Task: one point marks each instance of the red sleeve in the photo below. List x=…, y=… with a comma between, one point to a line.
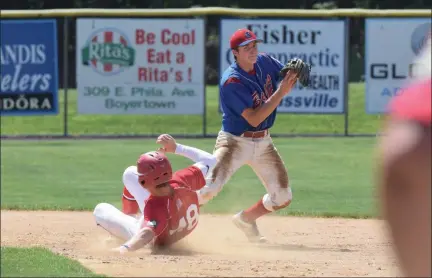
x=129, y=204
x=156, y=216
x=413, y=104
x=190, y=177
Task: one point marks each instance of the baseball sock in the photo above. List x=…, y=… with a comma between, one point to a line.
x=254, y=212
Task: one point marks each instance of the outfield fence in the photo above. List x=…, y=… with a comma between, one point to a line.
x=141, y=72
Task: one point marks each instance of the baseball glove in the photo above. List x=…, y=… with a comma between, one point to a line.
x=301, y=68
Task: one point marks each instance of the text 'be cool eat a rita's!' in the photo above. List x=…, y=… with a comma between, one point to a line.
x=140, y=66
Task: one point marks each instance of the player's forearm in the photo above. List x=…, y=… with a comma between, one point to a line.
x=196, y=155
x=140, y=239
x=262, y=112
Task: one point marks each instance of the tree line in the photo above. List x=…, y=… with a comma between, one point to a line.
x=274, y=4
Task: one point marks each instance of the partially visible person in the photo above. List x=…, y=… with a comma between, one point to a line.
x=404, y=173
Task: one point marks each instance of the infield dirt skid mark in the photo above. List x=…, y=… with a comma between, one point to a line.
x=299, y=246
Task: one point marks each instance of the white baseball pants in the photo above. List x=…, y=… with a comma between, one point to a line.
x=261, y=155
x=115, y=221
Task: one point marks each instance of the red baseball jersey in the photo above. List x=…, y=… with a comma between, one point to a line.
x=173, y=217
x=414, y=103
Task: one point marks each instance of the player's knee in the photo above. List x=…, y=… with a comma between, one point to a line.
x=209, y=191
x=101, y=211
x=129, y=176
x=278, y=200
x=284, y=197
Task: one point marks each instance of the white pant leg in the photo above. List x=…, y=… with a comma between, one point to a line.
x=231, y=153
x=270, y=168
x=116, y=222
x=130, y=180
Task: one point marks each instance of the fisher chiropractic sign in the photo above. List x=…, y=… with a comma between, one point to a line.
x=321, y=43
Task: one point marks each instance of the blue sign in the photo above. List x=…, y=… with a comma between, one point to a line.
x=29, y=67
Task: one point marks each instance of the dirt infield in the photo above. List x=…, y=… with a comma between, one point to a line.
x=299, y=247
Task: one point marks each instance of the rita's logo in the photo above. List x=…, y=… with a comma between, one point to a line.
x=420, y=37
x=108, y=51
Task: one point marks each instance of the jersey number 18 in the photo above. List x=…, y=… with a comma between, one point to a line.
x=189, y=221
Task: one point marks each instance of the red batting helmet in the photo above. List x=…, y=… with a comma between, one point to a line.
x=153, y=168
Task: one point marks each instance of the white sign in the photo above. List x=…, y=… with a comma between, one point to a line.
x=140, y=66
x=391, y=47
x=321, y=43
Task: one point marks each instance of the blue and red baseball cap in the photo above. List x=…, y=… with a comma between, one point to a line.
x=242, y=37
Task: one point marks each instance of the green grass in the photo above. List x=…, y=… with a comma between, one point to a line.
x=359, y=121
x=39, y=262
x=329, y=177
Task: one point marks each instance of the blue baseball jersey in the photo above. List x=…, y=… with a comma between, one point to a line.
x=239, y=90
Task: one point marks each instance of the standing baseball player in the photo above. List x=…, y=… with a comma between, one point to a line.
x=170, y=210
x=249, y=95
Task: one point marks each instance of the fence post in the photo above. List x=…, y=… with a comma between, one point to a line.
x=204, y=120
x=346, y=76
x=65, y=74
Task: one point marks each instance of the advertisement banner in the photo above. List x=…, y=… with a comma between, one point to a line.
x=321, y=43
x=29, y=69
x=391, y=47
x=140, y=66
